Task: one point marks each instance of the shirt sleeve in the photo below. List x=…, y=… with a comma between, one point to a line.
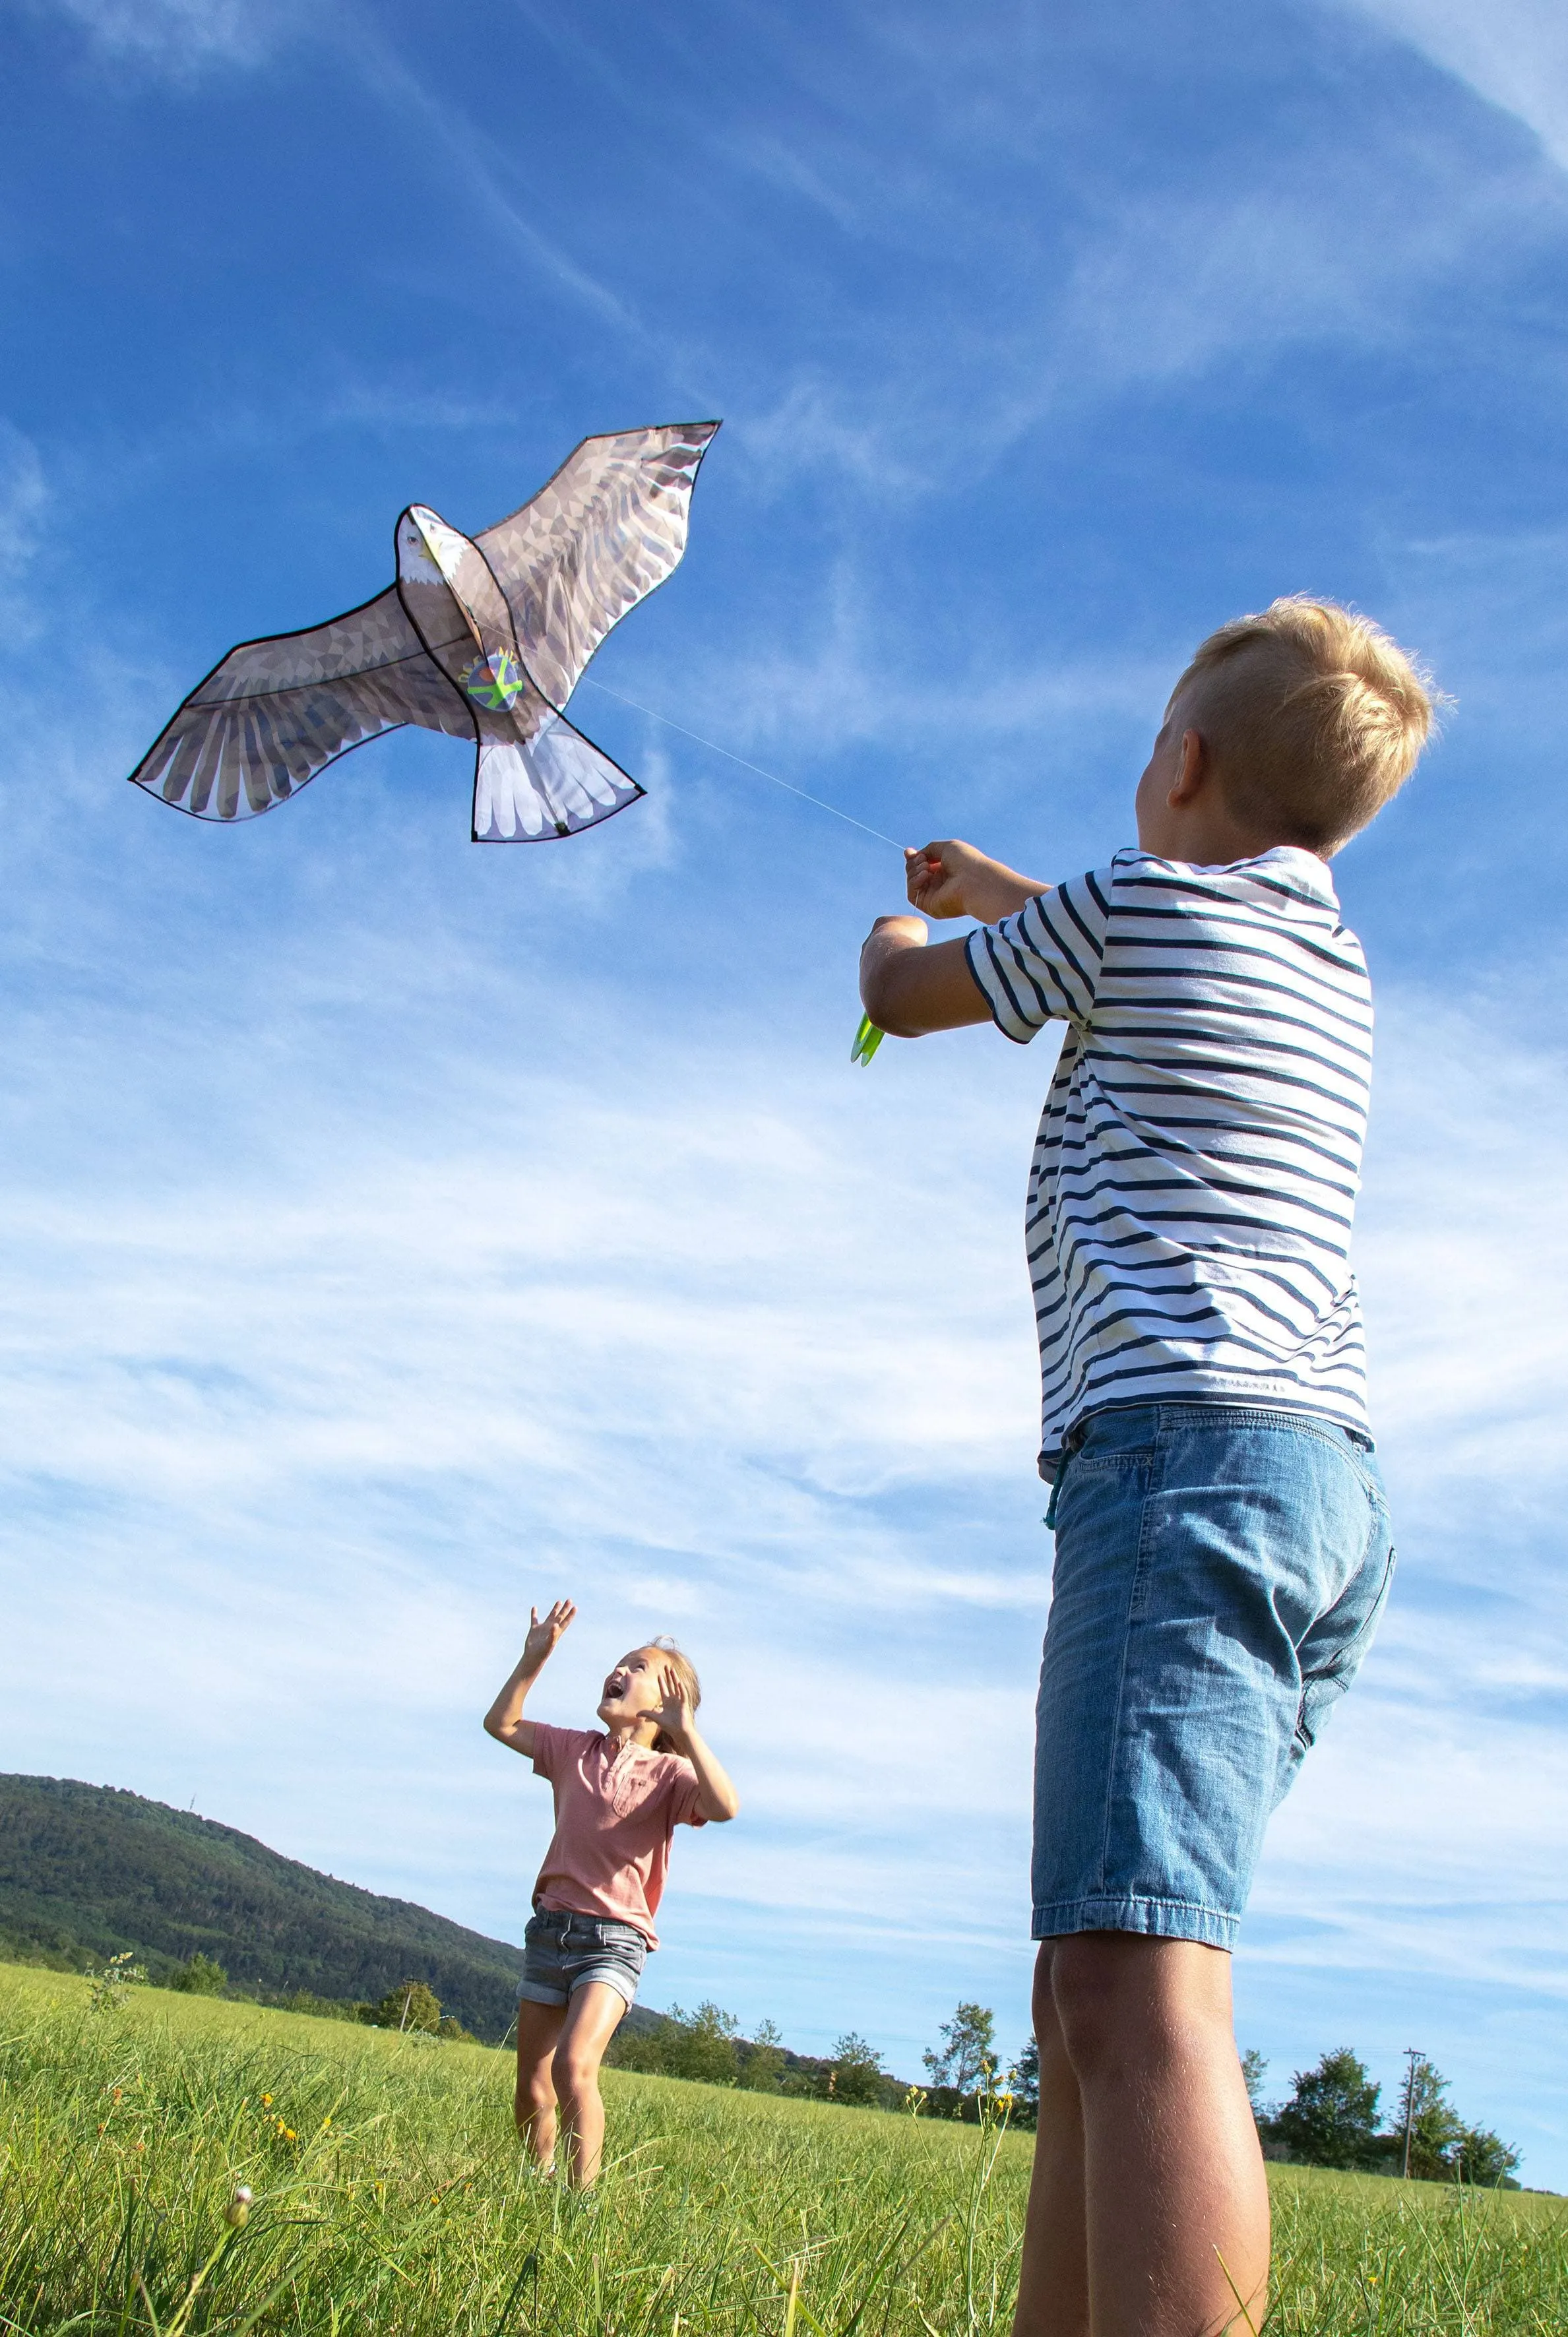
x=552, y=1747
x=684, y=1797
x=1043, y=965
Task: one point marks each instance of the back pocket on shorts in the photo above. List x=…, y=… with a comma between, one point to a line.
x=1327, y=1672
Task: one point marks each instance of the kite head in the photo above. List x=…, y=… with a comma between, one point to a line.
x=429, y=538
x=868, y=1039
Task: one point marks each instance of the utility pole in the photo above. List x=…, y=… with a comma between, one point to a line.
x=1415, y=2059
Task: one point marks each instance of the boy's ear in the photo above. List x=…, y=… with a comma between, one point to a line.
x=1191, y=769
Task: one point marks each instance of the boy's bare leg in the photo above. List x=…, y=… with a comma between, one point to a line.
x=593, y=2017
x=538, y=2028
x=1173, y=2173
x=1054, y=2277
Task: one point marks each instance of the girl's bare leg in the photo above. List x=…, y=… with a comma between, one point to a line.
x=1053, y=2276
x=593, y=2017
x=539, y=2027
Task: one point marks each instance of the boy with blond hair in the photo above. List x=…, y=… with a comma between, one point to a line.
x=1222, y=1542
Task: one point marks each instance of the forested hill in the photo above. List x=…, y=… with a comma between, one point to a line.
x=88, y=1868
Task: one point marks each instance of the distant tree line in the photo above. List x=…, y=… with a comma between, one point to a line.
x=1331, y=2118
x=962, y=2073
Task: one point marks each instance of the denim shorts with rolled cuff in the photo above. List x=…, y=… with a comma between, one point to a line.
x=1218, y=1574
x=562, y=1951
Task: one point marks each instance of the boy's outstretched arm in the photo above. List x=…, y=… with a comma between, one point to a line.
x=504, y=1720
x=909, y=988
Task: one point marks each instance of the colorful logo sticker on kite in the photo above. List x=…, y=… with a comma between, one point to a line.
x=495, y=681
x=868, y=1039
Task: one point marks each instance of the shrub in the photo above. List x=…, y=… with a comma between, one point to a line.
x=859, y=2074
x=1331, y=2118
x=409, y=2005
x=762, y=2060
x=198, y=1975
x=703, y=2045
x=967, y=2060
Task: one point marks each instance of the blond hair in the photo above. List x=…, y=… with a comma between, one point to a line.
x=685, y=1671
x=1315, y=716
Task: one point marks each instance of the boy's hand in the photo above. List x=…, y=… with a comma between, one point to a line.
x=675, y=1716
x=950, y=879
x=543, y=1636
x=935, y=877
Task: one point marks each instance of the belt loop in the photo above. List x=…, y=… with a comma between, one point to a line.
x=1069, y=1444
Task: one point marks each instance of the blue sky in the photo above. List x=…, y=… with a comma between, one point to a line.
x=395, y=1232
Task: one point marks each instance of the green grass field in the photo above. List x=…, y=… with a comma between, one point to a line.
x=389, y=2196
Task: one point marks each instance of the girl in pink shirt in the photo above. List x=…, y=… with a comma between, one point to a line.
x=620, y=1793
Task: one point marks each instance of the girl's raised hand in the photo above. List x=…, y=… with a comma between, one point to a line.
x=543, y=1636
x=676, y=1718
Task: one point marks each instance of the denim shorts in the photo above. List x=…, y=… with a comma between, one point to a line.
x=1219, y=1575
x=562, y=1951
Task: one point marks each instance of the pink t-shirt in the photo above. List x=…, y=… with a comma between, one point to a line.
x=615, y=1812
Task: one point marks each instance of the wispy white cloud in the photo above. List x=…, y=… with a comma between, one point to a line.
x=1512, y=53
x=473, y=161
x=1463, y=1252
x=779, y=160
x=24, y=501
x=1322, y=242
x=471, y=1304
x=177, y=39
x=812, y=428
x=845, y=672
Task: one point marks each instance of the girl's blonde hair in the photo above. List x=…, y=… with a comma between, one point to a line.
x=685, y=1671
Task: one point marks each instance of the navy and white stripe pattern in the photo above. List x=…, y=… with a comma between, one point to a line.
x=1199, y=1152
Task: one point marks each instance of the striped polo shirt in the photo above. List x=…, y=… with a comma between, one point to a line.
x=1199, y=1152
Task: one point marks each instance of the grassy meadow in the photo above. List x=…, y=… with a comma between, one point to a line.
x=389, y=2196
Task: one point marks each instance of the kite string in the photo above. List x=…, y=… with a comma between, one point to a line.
x=714, y=747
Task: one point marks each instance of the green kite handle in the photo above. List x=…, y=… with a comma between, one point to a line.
x=868, y=1039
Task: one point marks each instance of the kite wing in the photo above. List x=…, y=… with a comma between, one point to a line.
x=275, y=712
x=605, y=530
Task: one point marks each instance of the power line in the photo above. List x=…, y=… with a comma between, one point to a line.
x=714, y=747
